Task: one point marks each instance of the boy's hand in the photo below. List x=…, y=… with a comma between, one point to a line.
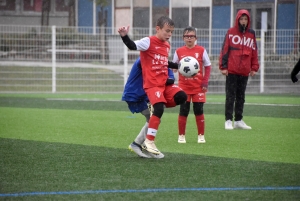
x=123, y=31
x=294, y=79
x=204, y=86
x=224, y=72
x=252, y=73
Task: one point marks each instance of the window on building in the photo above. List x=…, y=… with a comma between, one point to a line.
x=157, y=12
x=141, y=17
x=141, y=11
x=28, y=5
x=200, y=17
x=181, y=17
x=62, y=5
x=9, y=5
x=258, y=17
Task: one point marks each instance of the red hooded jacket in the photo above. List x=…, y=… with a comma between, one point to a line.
x=239, y=51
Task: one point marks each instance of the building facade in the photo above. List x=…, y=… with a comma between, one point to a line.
x=202, y=14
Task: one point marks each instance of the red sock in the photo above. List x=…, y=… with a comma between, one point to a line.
x=153, y=127
x=200, y=124
x=182, y=124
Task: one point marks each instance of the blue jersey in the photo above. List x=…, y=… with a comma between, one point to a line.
x=133, y=90
x=134, y=93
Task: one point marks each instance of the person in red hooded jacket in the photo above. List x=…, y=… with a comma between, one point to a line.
x=238, y=59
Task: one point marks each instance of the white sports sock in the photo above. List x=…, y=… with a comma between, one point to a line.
x=142, y=135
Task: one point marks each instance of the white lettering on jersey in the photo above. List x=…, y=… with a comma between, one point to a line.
x=236, y=39
x=159, y=60
x=157, y=56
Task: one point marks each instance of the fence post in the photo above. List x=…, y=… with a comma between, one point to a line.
x=53, y=59
x=262, y=60
x=264, y=28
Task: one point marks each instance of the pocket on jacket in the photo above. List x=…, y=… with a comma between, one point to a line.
x=246, y=52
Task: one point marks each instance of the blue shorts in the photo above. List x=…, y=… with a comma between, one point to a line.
x=137, y=107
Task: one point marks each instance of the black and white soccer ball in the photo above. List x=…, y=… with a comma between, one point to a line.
x=188, y=66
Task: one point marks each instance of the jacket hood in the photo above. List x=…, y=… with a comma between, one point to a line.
x=238, y=15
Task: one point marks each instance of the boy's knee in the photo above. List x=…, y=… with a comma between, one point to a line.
x=180, y=97
x=158, y=109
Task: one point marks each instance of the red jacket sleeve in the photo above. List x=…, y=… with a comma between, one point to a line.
x=223, y=59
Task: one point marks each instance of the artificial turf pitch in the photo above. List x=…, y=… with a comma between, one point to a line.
x=56, y=149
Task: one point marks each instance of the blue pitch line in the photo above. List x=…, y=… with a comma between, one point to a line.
x=294, y=188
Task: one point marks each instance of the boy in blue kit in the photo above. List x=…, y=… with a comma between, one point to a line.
x=137, y=101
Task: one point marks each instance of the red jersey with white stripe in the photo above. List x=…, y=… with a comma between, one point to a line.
x=154, y=59
x=192, y=85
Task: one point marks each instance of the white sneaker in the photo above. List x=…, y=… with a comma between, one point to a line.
x=201, y=139
x=241, y=124
x=181, y=139
x=228, y=125
x=151, y=155
x=149, y=145
x=136, y=148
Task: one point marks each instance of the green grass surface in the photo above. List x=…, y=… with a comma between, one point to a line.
x=77, y=150
x=211, y=98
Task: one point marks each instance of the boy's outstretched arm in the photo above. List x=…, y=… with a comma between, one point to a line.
x=123, y=31
x=295, y=71
x=172, y=65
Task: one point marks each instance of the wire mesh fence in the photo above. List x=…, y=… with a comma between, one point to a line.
x=86, y=60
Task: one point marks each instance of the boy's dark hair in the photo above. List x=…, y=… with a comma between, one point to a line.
x=164, y=20
x=189, y=29
x=244, y=14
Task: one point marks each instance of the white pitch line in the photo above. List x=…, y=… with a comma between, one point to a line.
x=81, y=99
x=211, y=103
x=261, y=104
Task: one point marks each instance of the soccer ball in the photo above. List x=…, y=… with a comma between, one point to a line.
x=188, y=66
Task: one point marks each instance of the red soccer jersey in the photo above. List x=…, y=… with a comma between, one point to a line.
x=155, y=63
x=191, y=85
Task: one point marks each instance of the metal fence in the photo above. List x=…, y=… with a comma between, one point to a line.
x=80, y=60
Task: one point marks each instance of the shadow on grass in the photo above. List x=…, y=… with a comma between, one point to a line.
x=31, y=166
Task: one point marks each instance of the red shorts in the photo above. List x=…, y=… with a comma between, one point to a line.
x=197, y=98
x=163, y=94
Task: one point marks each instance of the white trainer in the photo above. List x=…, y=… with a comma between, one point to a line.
x=228, y=125
x=241, y=124
x=136, y=148
x=151, y=155
x=181, y=139
x=201, y=139
x=149, y=145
